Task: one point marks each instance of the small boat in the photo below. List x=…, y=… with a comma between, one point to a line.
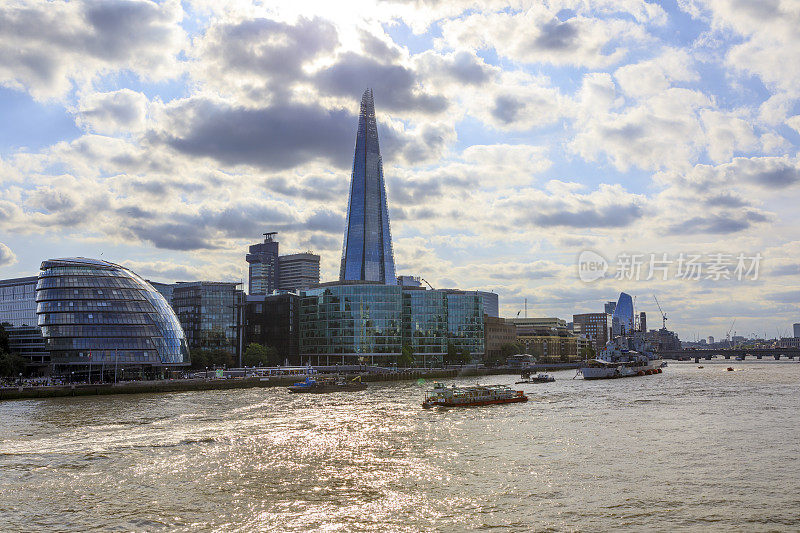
x=541, y=378
x=730, y=369
x=318, y=386
x=701, y=366
x=453, y=396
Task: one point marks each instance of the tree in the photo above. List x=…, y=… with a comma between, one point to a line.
x=451, y=357
x=257, y=355
x=510, y=348
x=4, y=345
x=587, y=352
x=406, y=358
x=211, y=358
x=11, y=365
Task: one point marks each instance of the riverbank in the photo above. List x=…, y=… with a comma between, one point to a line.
x=182, y=385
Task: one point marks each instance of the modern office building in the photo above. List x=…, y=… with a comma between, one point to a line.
x=209, y=313
x=274, y=321
x=367, y=250
x=609, y=307
x=623, y=311
x=97, y=314
x=710, y=339
x=298, y=271
x=491, y=303
x=593, y=326
x=362, y=322
x=263, y=266
x=18, y=314
x=642, y=321
x=796, y=328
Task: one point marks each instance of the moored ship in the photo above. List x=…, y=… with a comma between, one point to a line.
x=453, y=396
x=624, y=356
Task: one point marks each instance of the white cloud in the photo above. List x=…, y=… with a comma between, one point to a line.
x=7, y=257
x=113, y=112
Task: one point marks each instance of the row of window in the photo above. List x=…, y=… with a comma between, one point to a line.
x=100, y=331
x=60, y=282
x=88, y=294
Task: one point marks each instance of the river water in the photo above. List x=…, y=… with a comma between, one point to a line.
x=691, y=449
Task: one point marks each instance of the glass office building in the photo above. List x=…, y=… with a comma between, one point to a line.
x=371, y=322
x=208, y=311
x=92, y=312
x=367, y=252
x=623, y=313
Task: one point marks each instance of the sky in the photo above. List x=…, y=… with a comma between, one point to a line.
x=557, y=151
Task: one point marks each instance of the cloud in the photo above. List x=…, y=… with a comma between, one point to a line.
x=46, y=46
x=276, y=137
x=395, y=86
x=117, y=111
x=608, y=207
x=538, y=36
x=7, y=257
x=724, y=222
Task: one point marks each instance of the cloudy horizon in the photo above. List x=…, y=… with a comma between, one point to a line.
x=168, y=136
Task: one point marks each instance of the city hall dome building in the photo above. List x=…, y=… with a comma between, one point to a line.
x=97, y=316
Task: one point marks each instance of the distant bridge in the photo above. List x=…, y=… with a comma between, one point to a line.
x=757, y=353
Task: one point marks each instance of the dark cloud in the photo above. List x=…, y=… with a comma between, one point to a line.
x=309, y=188
x=322, y=242
x=395, y=86
x=789, y=297
x=719, y=223
x=786, y=270
x=609, y=216
x=277, y=137
x=556, y=36
x=778, y=178
x=725, y=199
x=41, y=44
x=467, y=68
x=172, y=236
x=506, y=108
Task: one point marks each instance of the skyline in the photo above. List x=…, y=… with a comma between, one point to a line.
x=633, y=127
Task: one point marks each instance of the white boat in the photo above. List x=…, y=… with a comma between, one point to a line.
x=453, y=396
x=624, y=356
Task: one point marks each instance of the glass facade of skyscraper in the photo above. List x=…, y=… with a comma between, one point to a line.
x=351, y=319
x=92, y=311
x=367, y=252
x=624, y=313
x=367, y=321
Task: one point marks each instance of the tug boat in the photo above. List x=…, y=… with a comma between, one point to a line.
x=453, y=396
x=318, y=386
x=540, y=378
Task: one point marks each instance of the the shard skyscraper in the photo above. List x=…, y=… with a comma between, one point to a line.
x=367, y=252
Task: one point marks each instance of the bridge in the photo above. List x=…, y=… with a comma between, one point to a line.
x=757, y=353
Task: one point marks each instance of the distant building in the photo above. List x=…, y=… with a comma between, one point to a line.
x=594, y=326
x=298, y=271
x=208, y=312
x=710, y=339
x=409, y=281
x=274, y=321
x=609, y=307
x=497, y=332
x=18, y=313
x=796, y=328
x=491, y=303
x=164, y=288
x=663, y=339
x=642, y=321
x=263, y=266
x=18, y=301
x=547, y=338
x=788, y=342
x=623, y=311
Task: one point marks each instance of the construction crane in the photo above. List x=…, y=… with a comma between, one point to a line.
x=728, y=335
x=663, y=314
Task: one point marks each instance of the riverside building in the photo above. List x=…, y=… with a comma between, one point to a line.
x=96, y=316
x=367, y=317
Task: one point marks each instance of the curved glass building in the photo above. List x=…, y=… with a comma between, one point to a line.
x=623, y=313
x=97, y=313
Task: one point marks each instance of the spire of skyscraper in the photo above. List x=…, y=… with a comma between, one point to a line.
x=367, y=252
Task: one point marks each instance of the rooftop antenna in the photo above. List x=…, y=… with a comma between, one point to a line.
x=526, y=308
x=429, y=285
x=270, y=236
